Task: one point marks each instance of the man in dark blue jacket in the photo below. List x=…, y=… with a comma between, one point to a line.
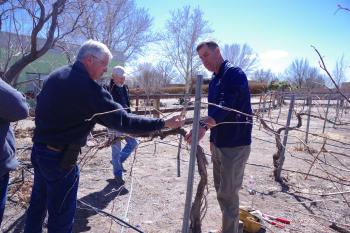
x=120, y=93
x=230, y=135
x=13, y=107
x=68, y=106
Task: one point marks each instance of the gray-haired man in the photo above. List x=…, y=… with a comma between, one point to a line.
x=69, y=97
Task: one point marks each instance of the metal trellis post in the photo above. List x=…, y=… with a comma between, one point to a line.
x=194, y=143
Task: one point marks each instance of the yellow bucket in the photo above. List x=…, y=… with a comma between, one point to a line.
x=251, y=223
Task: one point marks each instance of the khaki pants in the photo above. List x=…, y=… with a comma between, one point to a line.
x=228, y=168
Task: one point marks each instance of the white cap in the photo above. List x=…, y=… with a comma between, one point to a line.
x=118, y=70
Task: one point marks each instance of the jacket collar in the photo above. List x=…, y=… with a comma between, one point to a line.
x=80, y=66
x=221, y=70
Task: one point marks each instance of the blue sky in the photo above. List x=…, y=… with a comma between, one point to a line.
x=278, y=30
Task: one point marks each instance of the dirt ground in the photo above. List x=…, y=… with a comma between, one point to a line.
x=156, y=198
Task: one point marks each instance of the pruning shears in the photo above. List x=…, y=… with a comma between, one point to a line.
x=270, y=219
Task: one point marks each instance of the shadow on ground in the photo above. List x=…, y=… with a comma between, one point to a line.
x=98, y=200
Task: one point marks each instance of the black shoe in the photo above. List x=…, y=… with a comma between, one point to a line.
x=122, y=191
x=119, y=181
x=123, y=169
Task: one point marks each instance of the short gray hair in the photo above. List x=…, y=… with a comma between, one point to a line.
x=118, y=70
x=95, y=48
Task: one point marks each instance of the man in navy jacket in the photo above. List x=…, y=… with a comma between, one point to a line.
x=68, y=106
x=13, y=107
x=230, y=135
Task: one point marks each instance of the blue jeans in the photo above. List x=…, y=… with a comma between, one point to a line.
x=4, y=181
x=120, y=155
x=54, y=190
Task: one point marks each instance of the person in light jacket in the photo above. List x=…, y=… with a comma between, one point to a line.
x=13, y=107
x=120, y=93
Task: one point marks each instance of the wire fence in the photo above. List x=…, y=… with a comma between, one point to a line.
x=318, y=129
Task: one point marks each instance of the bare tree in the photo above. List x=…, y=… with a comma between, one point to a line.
x=242, y=56
x=153, y=78
x=119, y=24
x=148, y=79
x=165, y=72
x=301, y=75
x=297, y=71
x=314, y=79
x=339, y=71
x=183, y=31
x=38, y=19
x=263, y=76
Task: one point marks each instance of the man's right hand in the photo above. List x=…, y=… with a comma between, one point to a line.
x=174, y=122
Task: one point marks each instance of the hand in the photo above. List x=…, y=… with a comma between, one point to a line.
x=201, y=133
x=174, y=122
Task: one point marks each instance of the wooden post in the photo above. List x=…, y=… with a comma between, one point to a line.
x=326, y=115
x=285, y=137
x=178, y=157
x=157, y=107
x=281, y=100
x=304, y=103
x=269, y=114
x=264, y=105
x=309, y=103
x=137, y=101
x=342, y=107
x=259, y=109
x=336, y=113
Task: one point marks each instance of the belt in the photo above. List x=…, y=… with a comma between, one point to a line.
x=56, y=148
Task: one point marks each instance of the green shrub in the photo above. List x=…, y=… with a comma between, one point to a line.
x=256, y=88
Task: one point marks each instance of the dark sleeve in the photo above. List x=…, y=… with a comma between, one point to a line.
x=235, y=85
x=115, y=93
x=127, y=96
x=13, y=106
x=119, y=119
x=106, y=87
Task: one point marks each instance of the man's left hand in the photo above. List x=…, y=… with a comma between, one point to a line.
x=201, y=133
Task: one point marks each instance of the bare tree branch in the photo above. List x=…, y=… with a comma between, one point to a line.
x=340, y=7
x=241, y=56
x=323, y=67
x=183, y=31
x=46, y=29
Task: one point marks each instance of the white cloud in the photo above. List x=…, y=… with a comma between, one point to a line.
x=273, y=54
x=347, y=75
x=275, y=60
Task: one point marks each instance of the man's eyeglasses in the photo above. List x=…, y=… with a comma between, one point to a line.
x=102, y=62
